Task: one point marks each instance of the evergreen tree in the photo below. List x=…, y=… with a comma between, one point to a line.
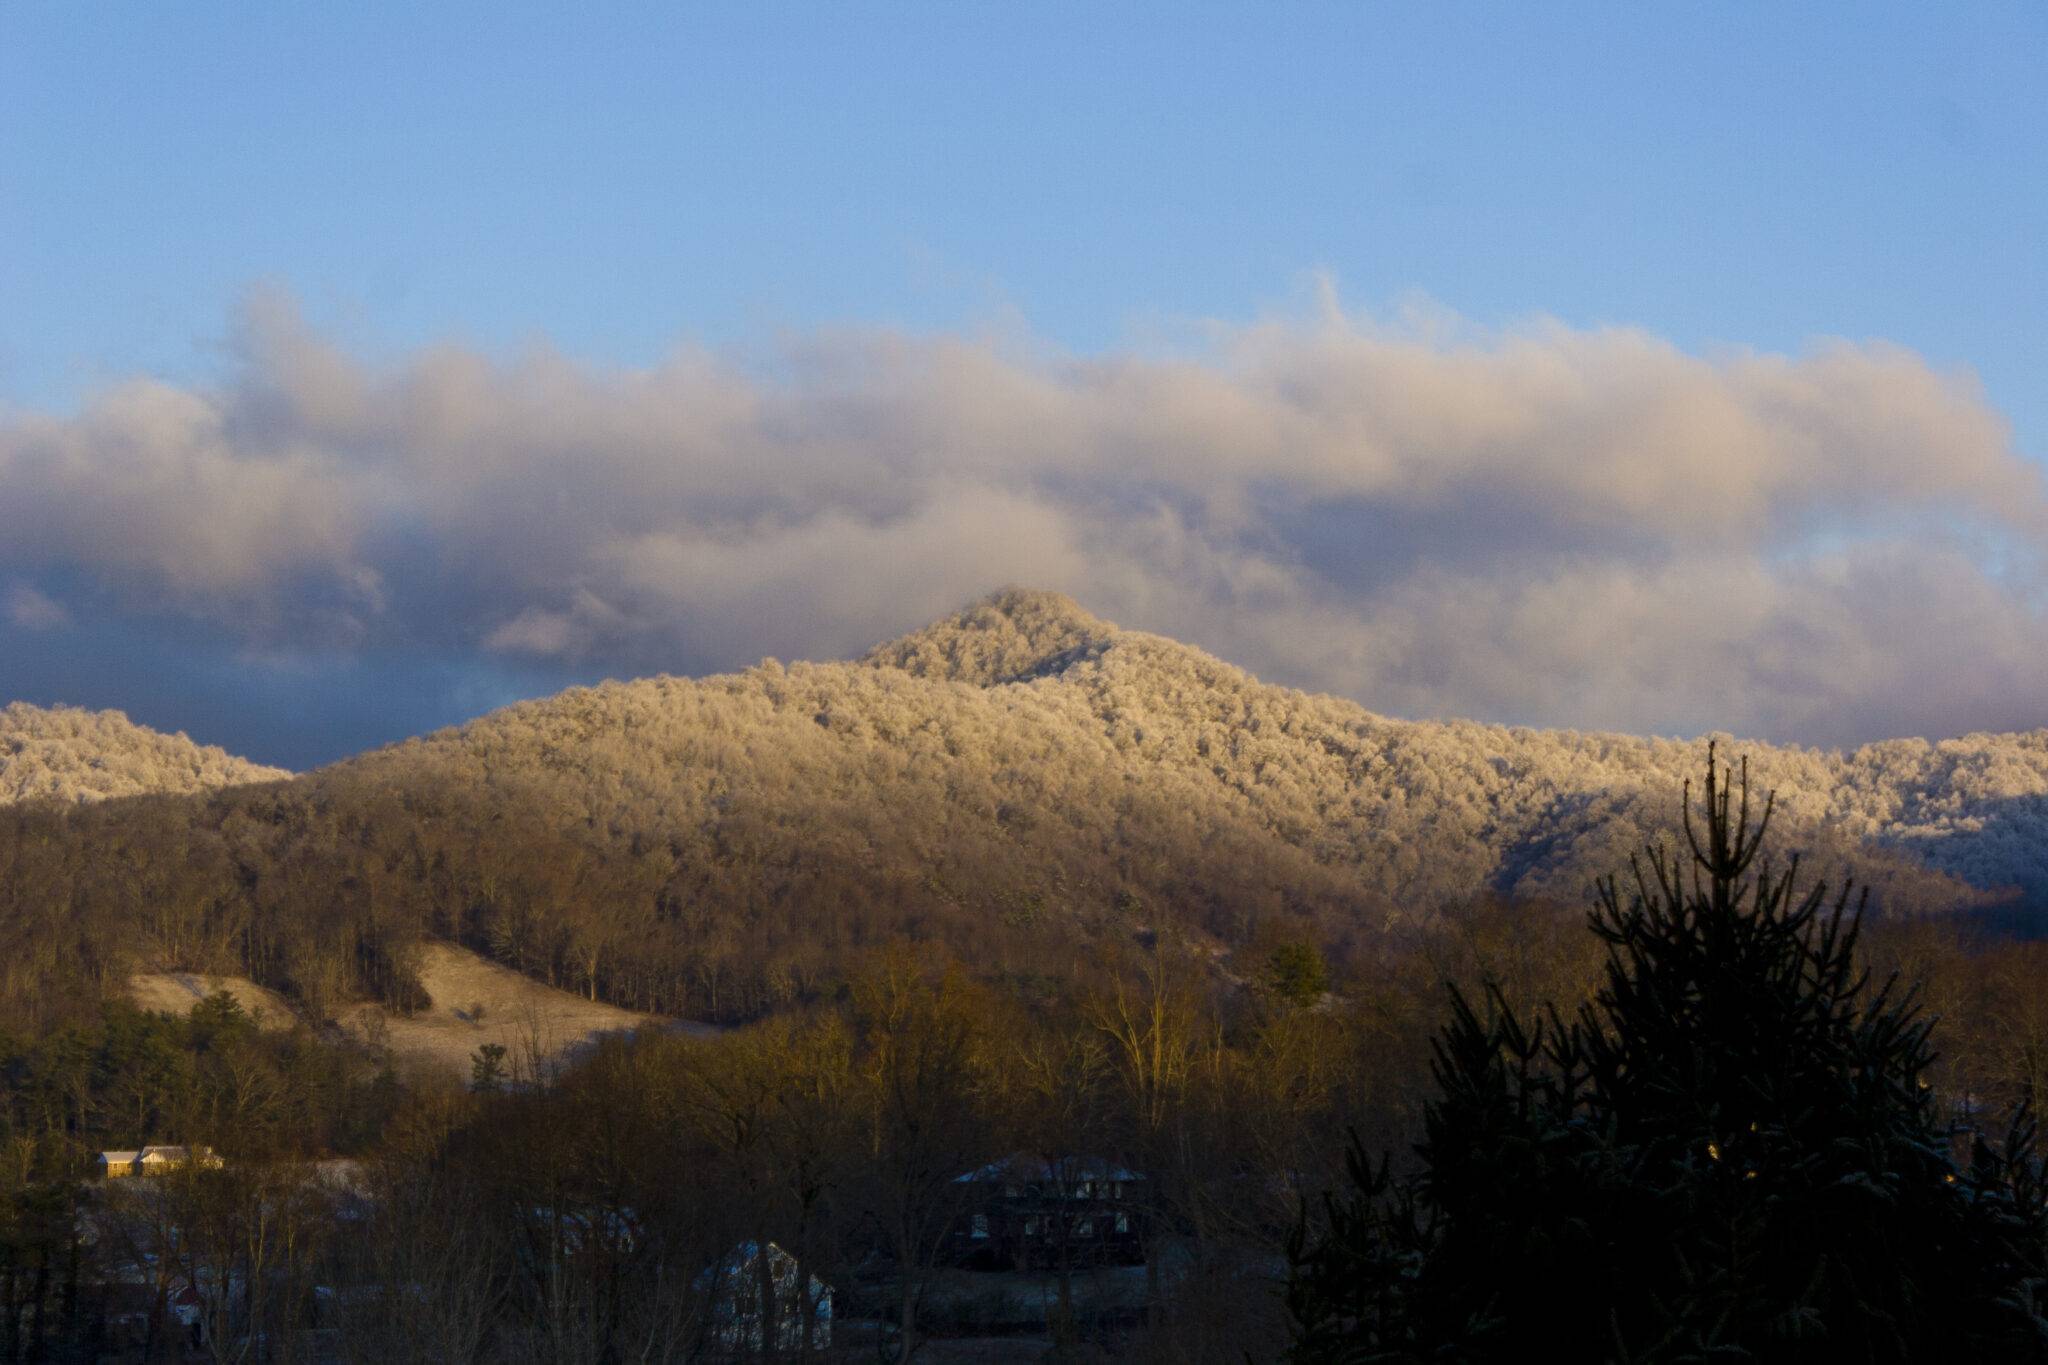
x=1731, y=1153
x=1296, y=973
x=219, y=1019
x=487, y=1069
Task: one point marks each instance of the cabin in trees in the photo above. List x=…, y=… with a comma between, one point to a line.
x=153, y=1161
x=1029, y=1212
x=762, y=1300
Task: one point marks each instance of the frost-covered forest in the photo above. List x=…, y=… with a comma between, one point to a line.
x=1009, y=782
x=1537, y=811
x=66, y=753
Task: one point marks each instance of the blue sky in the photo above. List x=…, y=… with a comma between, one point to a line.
x=613, y=181
x=619, y=177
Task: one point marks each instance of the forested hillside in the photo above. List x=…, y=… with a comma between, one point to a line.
x=66, y=753
x=1531, y=811
x=1016, y=782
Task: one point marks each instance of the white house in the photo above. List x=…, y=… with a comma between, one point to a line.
x=741, y=1321
x=116, y=1165
x=160, y=1160
x=153, y=1161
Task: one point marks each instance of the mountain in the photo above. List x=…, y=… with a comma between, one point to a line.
x=1024, y=760
x=1537, y=809
x=68, y=754
x=1017, y=781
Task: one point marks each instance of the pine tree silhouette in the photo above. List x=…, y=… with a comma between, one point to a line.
x=1731, y=1153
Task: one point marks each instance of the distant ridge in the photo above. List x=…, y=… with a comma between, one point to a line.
x=1015, y=781
x=1072, y=706
x=1974, y=807
x=69, y=754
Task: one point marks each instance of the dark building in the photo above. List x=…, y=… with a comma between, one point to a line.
x=1029, y=1213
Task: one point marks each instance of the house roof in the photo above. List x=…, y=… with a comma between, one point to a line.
x=615, y=1227
x=781, y=1266
x=1066, y=1169
x=119, y=1158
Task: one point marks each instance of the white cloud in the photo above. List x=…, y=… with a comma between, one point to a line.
x=28, y=609
x=1547, y=525
x=565, y=634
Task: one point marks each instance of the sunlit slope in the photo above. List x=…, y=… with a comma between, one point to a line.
x=1026, y=729
x=69, y=754
x=177, y=992
x=1536, y=808
x=1014, y=783
x=472, y=1002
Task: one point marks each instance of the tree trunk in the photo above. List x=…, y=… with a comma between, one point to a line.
x=13, y=1317
x=42, y=1294
x=908, y=1314
x=764, y=1276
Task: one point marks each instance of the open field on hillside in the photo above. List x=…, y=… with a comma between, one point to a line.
x=477, y=1002
x=178, y=992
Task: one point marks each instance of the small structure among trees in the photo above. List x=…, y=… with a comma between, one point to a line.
x=1028, y=1212
x=116, y=1165
x=153, y=1160
x=762, y=1300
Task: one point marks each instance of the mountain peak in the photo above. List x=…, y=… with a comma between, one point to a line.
x=1011, y=635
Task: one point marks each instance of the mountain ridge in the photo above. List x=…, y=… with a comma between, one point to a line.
x=1909, y=794
x=1157, y=700
x=71, y=754
x=1902, y=789
x=1011, y=780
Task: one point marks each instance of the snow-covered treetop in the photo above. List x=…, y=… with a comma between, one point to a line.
x=68, y=754
x=1026, y=708
x=1009, y=636
x=1023, y=714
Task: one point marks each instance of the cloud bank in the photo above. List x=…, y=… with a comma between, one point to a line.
x=1588, y=528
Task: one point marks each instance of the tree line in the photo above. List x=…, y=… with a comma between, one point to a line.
x=571, y=1217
